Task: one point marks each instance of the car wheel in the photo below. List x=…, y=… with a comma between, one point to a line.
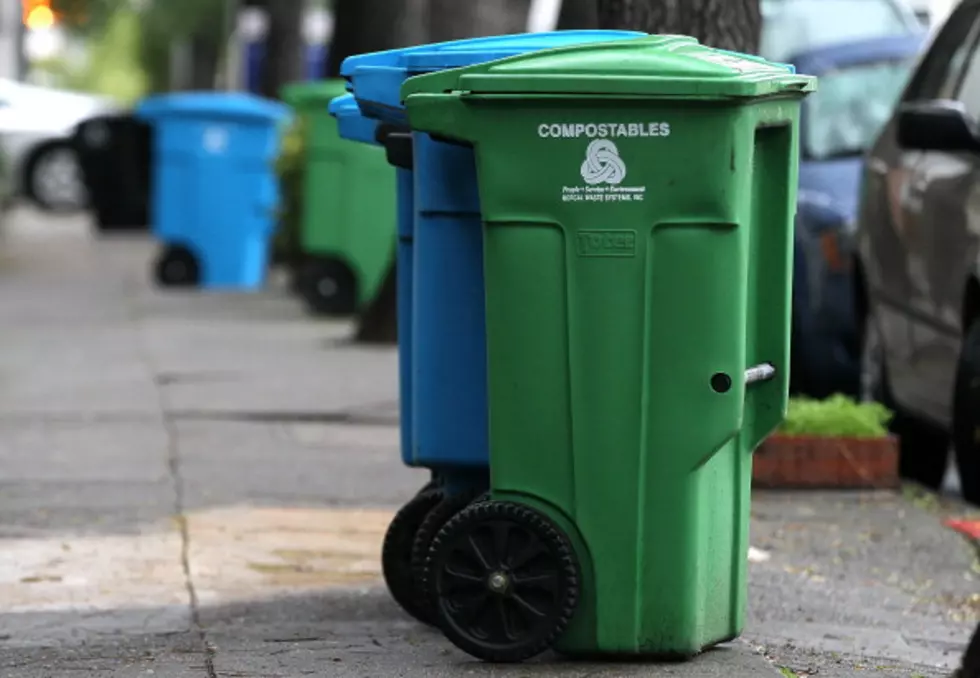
x=966, y=415
x=53, y=178
x=797, y=369
x=923, y=447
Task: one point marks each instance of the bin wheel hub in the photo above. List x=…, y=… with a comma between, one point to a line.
x=327, y=287
x=506, y=581
x=498, y=582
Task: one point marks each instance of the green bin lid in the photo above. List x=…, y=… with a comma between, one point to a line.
x=660, y=65
x=312, y=94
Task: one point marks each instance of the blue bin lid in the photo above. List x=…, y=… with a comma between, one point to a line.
x=376, y=78
x=350, y=122
x=234, y=105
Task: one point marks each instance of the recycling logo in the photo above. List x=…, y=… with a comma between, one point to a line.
x=602, y=164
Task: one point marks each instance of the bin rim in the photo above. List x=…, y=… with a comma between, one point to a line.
x=661, y=65
x=466, y=51
x=206, y=104
x=344, y=106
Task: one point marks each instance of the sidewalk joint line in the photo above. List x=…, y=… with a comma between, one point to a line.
x=169, y=425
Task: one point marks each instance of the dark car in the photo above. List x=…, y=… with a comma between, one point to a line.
x=918, y=260
x=859, y=83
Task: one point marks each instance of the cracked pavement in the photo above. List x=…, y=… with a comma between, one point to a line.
x=196, y=485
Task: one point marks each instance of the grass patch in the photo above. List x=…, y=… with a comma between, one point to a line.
x=836, y=417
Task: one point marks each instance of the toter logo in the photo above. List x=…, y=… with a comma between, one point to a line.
x=602, y=164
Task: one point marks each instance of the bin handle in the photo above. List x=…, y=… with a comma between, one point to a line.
x=760, y=373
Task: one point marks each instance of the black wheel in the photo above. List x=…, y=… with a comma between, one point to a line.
x=504, y=581
x=177, y=267
x=440, y=514
x=328, y=286
x=966, y=415
x=923, y=447
x=396, y=553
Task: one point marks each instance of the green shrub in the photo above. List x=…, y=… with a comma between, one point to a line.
x=290, y=167
x=837, y=416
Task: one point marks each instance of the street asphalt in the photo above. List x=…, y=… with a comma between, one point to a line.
x=197, y=484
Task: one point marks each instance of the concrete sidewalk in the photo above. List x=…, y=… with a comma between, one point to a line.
x=197, y=485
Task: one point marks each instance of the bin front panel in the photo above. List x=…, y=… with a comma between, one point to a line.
x=449, y=362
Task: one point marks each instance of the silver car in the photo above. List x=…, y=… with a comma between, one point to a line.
x=35, y=127
x=918, y=260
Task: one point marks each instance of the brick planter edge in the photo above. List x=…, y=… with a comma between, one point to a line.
x=816, y=462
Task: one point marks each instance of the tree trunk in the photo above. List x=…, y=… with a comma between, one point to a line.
x=726, y=24
x=285, y=49
x=371, y=26
x=578, y=14
x=366, y=26
x=205, y=57
x=455, y=19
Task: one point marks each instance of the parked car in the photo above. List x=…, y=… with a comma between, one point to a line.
x=35, y=128
x=859, y=83
x=794, y=26
x=918, y=260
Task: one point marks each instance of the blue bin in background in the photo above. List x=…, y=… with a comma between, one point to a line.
x=215, y=191
x=445, y=305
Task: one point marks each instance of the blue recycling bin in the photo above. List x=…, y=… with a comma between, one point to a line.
x=441, y=315
x=215, y=192
x=354, y=126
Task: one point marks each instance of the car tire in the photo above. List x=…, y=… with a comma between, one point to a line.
x=798, y=382
x=966, y=415
x=923, y=447
x=68, y=178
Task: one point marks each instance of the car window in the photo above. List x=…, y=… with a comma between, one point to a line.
x=843, y=116
x=790, y=27
x=938, y=76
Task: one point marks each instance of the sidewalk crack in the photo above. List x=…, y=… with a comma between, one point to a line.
x=173, y=462
x=169, y=424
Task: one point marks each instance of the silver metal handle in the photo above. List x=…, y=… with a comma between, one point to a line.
x=759, y=373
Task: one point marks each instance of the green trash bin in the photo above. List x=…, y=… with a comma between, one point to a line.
x=638, y=200
x=347, y=231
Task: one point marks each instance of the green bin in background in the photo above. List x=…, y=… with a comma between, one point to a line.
x=638, y=200
x=347, y=230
